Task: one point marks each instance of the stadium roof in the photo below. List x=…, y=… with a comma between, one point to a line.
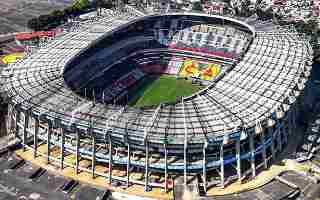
x=258, y=86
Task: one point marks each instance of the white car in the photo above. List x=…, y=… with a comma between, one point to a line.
x=302, y=159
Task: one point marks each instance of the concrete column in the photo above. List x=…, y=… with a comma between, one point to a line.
x=271, y=133
x=279, y=140
x=295, y=110
x=165, y=168
x=204, y=169
x=252, y=154
x=62, y=131
x=185, y=164
x=35, y=137
x=110, y=157
x=16, y=125
x=77, y=150
x=285, y=131
x=93, y=164
x=290, y=122
x=49, y=131
x=264, y=152
x=11, y=122
x=25, y=128
x=221, y=165
x=146, y=176
x=238, y=156
x=128, y=164
x=185, y=150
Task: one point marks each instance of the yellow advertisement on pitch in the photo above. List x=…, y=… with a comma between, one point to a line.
x=11, y=58
x=204, y=71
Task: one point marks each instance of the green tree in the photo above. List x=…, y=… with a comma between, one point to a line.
x=265, y=14
x=309, y=27
x=44, y=21
x=106, y=3
x=59, y=16
x=80, y=5
x=197, y=6
x=34, y=24
x=68, y=12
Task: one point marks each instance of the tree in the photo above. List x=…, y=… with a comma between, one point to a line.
x=80, y=5
x=68, y=12
x=309, y=27
x=197, y=6
x=265, y=14
x=34, y=24
x=59, y=16
x=106, y=3
x=312, y=26
x=44, y=21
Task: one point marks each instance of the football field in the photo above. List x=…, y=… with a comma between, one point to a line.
x=153, y=90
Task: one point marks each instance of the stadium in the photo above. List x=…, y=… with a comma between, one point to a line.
x=160, y=99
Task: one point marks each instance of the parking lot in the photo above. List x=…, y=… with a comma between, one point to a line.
x=20, y=180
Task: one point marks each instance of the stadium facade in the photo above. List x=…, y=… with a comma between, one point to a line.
x=63, y=97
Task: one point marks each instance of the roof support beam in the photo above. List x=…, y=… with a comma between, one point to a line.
x=264, y=153
x=77, y=149
x=17, y=118
x=49, y=131
x=93, y=160
x=165, y=168
x=25, y=129
x=146, y=175
x=62, y=131
x=284, y=130
x=271, y=133
x=35, y=137
x=166, y=155
x=238, y=156
x=221, y=165
x=252, y=154
x=279, y=139
x=185, y=143
x=204, y=166
x=128, y=163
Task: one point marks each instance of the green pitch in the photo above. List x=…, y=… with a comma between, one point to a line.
x=154, y=90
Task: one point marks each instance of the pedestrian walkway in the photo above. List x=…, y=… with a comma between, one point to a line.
x=86, y=177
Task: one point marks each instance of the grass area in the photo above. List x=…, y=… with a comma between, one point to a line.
x=153, y=90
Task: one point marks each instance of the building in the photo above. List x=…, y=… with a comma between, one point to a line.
x=227, y=132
